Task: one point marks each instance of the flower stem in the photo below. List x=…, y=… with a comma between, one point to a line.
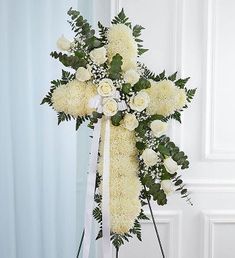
x=155, y=226
x=117, y=251
x=80, y=244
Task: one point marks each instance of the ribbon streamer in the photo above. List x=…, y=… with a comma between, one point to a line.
x=107, y=250
x=91, y=179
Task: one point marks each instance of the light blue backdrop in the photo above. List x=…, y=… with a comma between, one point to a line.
x=42, y=166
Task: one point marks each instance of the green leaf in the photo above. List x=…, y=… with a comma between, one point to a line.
x=181, y=82
x=95, y=114
x=162, y=75
x=140, y=145
x=126, y=87
x=142, y=128
x=63, y=117
x=69, y=61
x=93, y=42
x=147, y=180
x=141, y=85
x=121, y=18
x=157, y=117
x=137, y=30
x=116, y=118
x=172, y=77
x=154, y=189
x=176, y=116
x=190, y=94
x=178, y=182
x=78, y=122
x=115, y=67
x=103, y=33
x=80, y=25
x=99, y=235
x=163, y=150
x=141, y=51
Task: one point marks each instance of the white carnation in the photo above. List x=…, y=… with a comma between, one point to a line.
x=182, y=98
x=106, y=88
x=150, y=157
x=73, y=98
x=83, y=74
x=158, y=128
x=98, y=55
x=125, y=186
x=140, y=101
x=110, y=107
x=63, y=43
x=164, y=98
x=167, y=186
x=131, y=76
x=170, y=165
x=121, y=41
x=130, y=122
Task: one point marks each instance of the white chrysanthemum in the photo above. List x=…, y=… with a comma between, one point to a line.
x=59, y=99
x=124, y=183
x=164, y=98
x=182, y=98
x=121, y=41
x=73, y=98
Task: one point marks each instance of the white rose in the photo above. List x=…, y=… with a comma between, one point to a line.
x=110, y=107
x=63, y=43
x=167, y=186
x=150, y=157
x=98, y=55
x=83, y=74
x=130, y=122
x=140, y=101
x=106, y=88
x=170, y=165
x=158, y=127
x=131, y=76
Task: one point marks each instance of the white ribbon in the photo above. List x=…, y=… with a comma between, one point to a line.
x=107, y=250
x=91, y=179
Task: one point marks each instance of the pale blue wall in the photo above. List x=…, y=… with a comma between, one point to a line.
x=42, y=166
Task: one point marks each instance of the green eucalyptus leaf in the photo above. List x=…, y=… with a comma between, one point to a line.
x=142, y=84
x=116, y=119
x=115, y=67
x=163, y=150
x=140, y=145
x=126, y=87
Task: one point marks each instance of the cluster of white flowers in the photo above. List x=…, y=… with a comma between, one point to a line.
x=73, y=98
x=165, y=98
x=121, y=41
x=124, y=183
